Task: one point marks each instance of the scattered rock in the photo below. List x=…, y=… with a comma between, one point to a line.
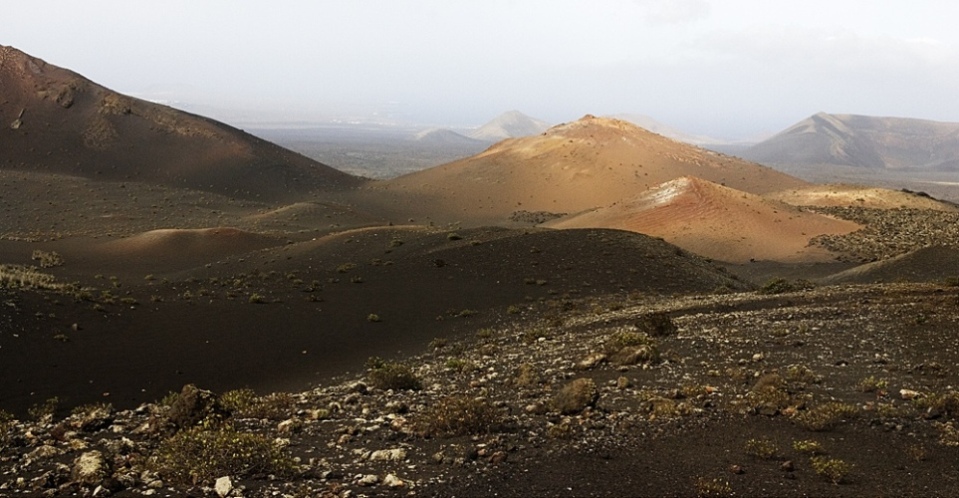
x=90, y=469
x=393, y=455
x=591, y=361
x=193, y=405
x=368, y=480
x=634, y=355
x=909, y=394
x=393, y=482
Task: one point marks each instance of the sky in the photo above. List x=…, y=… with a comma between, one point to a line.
x=731, y=69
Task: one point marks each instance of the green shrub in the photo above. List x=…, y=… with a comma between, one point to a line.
x=392, y=375
x=237, y=400
x=200, y=455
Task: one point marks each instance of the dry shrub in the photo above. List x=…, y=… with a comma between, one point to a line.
x=462, y=415
x=47, y=259
x=713, y=487
x=826, y=416
x=387, y=375
x=200, y=455
x=833, y=469
x=244, y=403
x=763, y=448
x=656, y=325
x=576, y=396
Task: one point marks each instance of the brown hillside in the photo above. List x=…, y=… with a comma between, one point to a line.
x=839, y=195
x=56, y=121
x=573, y=167
x=717, y=222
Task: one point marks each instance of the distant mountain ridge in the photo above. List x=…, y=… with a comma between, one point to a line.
x=864, y=142
x=512, y=124
x=667, y=131
x=56, y=121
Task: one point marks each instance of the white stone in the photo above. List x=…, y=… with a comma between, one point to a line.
x=223, y=486
x=368, y=480
x=394, y=482
x=393, y=455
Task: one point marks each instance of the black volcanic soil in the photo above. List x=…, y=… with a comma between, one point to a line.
x=150, y=324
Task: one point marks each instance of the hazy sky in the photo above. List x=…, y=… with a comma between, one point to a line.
x=727, y=68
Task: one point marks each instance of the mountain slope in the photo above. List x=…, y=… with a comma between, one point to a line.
x=589, y=163
x=717, y=222
x=510, y=124
x=863, y=141
x=54, y=120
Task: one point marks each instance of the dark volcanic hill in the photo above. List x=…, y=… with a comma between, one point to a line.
x=54, y=120
x=863, y=141
x=928, y=264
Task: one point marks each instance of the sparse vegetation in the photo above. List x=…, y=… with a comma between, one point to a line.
x=809, y=446
x=47, y=259
x=44, y=410
x=826, y=416
x=576, y=396
x=782, y=286
x=715, y=487
x=871, y=384
x=762, y=448
x=460, y=416
x=199, y=455
x=833, y=469
x=392, y=375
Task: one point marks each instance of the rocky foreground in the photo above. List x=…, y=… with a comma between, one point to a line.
x=782, y=392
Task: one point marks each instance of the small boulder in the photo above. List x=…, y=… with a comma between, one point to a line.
x=194, y=405
x=393, y=455
x=90, y=469
x=591, y=361
x=393, y=482
x=223, y=486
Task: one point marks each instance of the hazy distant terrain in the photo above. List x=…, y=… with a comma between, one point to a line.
x=372, y=152
x=892, y=152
